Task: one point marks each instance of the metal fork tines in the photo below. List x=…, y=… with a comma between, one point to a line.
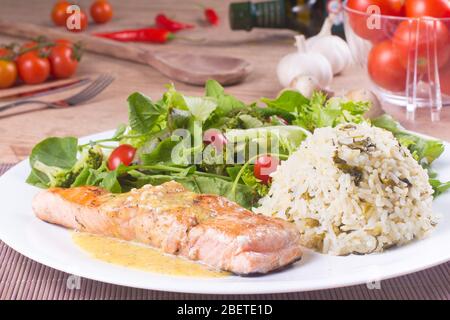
x=92, y=90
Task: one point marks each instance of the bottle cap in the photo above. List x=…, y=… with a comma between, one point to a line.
x=240, y=15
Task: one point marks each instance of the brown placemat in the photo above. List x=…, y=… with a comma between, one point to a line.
x=22, y=278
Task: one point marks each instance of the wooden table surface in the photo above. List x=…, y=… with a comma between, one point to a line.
x=22, y=128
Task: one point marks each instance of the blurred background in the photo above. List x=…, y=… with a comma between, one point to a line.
x=260, y=57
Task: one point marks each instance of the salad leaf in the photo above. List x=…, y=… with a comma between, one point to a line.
x=323, y=113
x=200, y=108
x=249, y=121
x=143, y=114
x=54, y=162
x=177, y=119
x=439, y=187
x=110, y=182
x=120, y=130
x=174, y=99
x=288, y=100
x=54, y=157
x=162, y=153
x=56, y=152
x=225, y=103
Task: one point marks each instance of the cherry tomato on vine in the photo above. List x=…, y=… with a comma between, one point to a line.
x=264, y=166
x=433, y=37
x=360, y=23
x=385, y=68
x=62, y=59
x=8, y=73
x=59, y=13
x=32, y=68
x=101, y=11
x=123, y=154
x=427, y=8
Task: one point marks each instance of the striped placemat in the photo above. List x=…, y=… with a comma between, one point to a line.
x=22, y=278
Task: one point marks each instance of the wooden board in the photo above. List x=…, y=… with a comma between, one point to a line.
x=263, y=48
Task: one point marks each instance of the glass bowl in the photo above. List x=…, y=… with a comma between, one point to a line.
x=407, y=59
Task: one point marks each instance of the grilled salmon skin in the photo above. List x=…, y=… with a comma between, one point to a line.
x=205, y=228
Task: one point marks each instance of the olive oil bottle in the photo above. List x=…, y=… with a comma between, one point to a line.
x=305, y=16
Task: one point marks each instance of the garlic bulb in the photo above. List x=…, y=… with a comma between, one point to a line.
x=306, y=85
x=335, y=49
x=305, y=64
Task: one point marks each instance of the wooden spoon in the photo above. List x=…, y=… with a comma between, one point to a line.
x=185, y=67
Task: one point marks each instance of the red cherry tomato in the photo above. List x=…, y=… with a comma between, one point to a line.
x=101, y=11
x=83, y=22
x=8, y=73
x=32, y=68
x=427, y=8
x=432, y=34
x=59, y=13
x=385, y=68
x=214, y=137
x=62, y=60
x=122, y=154
x=444, y=79
x=264, y=166
x=362, y=26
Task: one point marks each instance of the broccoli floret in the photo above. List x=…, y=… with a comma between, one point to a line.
x=59, y=177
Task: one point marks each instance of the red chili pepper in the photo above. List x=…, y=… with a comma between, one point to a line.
x=162, y=21
x=211, y=16
x=139, y=35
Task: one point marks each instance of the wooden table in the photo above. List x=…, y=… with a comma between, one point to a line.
x=263, y=48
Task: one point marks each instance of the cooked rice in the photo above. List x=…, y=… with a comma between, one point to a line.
x=352, y=189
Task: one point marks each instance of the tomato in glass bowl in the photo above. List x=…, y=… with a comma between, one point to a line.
x=404, y=45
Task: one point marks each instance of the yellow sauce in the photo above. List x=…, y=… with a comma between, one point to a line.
x=141, y=257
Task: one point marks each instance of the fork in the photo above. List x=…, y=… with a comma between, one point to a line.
x=97, y=86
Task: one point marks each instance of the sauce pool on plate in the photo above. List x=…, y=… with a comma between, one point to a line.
x=140, y=257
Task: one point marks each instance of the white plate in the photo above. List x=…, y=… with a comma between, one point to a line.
x=53, y=246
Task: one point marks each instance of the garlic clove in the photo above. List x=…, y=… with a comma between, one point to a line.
x=305, y=84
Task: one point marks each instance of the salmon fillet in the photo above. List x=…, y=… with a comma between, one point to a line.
x=205, y=228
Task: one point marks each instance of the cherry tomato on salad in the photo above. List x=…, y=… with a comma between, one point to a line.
x=62, y=60
x=122, y=154
x=385, y=68
x=433, y=35
x=59, y=13
x=215, y=137
x=361, y=24
x=8, y=73
x=264, y=166
x=33, y=69
x=83, y=22
x=101, y=11
x=427, y=8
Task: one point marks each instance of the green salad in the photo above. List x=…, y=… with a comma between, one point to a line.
x=210, y=144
